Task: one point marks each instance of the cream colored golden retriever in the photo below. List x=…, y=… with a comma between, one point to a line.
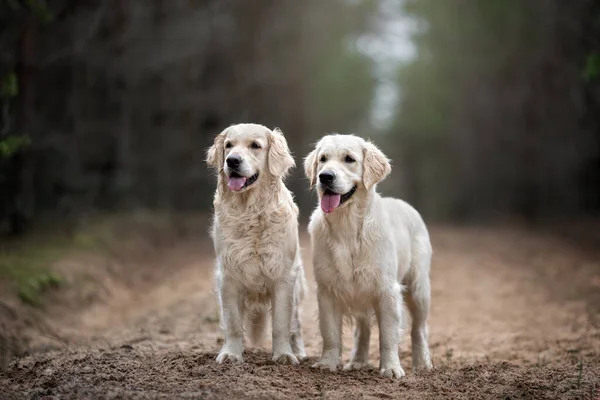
x=366, y=249
x=255, y=234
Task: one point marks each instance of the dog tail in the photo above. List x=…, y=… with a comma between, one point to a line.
x=256, y=323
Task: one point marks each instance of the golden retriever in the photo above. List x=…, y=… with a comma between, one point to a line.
x=255, y=234
x=367, y=250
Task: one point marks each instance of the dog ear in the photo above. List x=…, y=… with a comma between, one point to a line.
x=280, y=159
x=214, y=155
x=310, y=166
x=376, y=165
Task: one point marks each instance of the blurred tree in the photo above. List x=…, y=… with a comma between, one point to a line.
x=499, y=110
x=120, y=99
x=342, y=85
x=492, y=116
x=21, y=20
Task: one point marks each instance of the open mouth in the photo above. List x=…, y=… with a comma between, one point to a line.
x=236, y=182
x=330, y=200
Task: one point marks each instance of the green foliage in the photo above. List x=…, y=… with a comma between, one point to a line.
x=12, y=144
x=10, y=86
x=32, y=289
x=28, y=265
x=592, y=67
x=40, y=9
x=29, y=269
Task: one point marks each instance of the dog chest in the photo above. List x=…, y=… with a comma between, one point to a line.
x=256, y=247
x=255, y=255
x=252, y=262
x=349, y=275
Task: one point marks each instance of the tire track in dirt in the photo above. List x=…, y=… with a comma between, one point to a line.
x=498, y=327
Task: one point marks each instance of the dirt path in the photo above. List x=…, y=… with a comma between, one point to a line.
x=514, y=315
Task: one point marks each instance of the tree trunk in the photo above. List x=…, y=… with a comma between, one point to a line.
x=23, y=199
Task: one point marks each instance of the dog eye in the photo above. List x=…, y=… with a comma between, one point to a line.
x=323, y=159
x=255, y=145
x=228, y=145
x=349, y=159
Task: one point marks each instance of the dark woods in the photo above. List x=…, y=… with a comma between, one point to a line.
x=119, y=99
x=501, y=110
x=109, y=105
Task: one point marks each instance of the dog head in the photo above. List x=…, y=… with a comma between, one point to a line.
x=246, y=154
x=342, y=166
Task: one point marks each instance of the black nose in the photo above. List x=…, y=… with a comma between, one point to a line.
x=326, y=177
x=234, y=161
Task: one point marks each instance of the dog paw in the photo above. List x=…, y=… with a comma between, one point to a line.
x=229, y=356
x=326, y=364
x=298, y=346
x=422, y=363
x=286, y=358
x=392, y=372
x=300, y=354
x=425, y=365
x=356, y=365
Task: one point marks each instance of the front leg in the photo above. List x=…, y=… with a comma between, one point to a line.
x=281, y=304
x=388, y=311
x=330, y=323
x=232, y=303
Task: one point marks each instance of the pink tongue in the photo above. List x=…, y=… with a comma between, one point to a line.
x=330, y=202
x=236, y=183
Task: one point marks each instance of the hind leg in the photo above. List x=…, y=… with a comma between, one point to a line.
x=296, y=325
x=296, y=338
x=360, y=353
x=257, y=319
x=418, y=299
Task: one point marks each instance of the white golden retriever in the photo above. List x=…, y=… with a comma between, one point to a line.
x=255, y=234
x=367, y=250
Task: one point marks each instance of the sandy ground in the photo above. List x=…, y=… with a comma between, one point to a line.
x=515, y=315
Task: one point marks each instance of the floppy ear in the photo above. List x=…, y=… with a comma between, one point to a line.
x=376, y=165
x=214, y=155
x=280, y=159
x=310, y=166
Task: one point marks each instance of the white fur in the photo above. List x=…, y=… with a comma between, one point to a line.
x=368, y=254
x=255, y=234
